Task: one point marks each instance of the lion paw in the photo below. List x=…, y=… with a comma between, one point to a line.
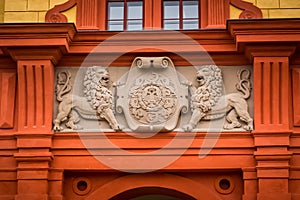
x=57, y=128
x=188, y=127
x=248, y=127
x=72, y=126
x=232, y=125
x=118, y=127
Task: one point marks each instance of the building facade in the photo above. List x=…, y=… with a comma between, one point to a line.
x=146, y=99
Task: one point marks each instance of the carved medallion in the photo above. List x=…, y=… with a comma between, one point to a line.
x=152, y=100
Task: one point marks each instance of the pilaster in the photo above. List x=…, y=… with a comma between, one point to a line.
x=272, y=111
x=35, y=74
x=250, y=183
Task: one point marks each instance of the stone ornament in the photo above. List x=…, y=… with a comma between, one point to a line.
x=97, y=103
x=208, y=101
x=152, y=100
x=155, y=94
x=151, y=96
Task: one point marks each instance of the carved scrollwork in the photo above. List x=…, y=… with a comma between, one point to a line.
x=250, y=11
x=54, y=15
x=57, y=18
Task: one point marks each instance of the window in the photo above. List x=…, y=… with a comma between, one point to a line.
x=125, y=15
x=180, y=14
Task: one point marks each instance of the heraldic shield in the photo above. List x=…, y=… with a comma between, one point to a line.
x=152, y=95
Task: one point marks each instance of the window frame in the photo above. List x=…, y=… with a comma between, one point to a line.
x=125, y=15
x=181, y=19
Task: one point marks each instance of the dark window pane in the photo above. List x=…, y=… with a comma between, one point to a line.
x=171, y=24
x=115, y=10
x=190, y=24
x=171, y=9
x=190, y=9
x=133, y=25
x=135, y=10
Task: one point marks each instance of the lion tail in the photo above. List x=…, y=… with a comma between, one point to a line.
x=62, y=89
x=244, y=83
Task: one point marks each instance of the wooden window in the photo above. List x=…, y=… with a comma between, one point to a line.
x=181, y=14
x=121, y=15
x=124, y=15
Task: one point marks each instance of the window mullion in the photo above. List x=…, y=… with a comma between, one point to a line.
x=125, y=15
x=180, y=14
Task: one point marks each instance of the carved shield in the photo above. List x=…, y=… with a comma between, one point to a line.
x=152, y=95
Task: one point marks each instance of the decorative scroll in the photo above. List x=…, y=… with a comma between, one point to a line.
x=54, y=15
x=250, y=11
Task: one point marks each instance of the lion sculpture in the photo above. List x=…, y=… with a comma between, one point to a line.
x=97, y=103
x=208, y=101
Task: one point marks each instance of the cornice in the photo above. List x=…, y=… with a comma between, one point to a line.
x=238, y=35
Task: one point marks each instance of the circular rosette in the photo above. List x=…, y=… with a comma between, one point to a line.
x=152, y=103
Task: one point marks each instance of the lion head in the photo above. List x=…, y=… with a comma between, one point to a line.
x=96, y=82
x=210, y=76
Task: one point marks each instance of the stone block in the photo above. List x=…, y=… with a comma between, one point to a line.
x=53, y=3
x=289, y=4
x=21, y=17
x=42, y=16
x=251, y=1
x=234, y=12
x=38, y=5
x=15, y=5
x=268, y=3
x=1, y=11
x=265, y=13
x=284, y=13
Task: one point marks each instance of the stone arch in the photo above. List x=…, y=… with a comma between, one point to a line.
x=154, y=182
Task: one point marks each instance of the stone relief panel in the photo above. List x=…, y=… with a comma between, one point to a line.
x=153, y=96
x=96, y=104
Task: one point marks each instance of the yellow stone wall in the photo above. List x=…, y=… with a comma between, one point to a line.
x=30, y=10
x=273, y=8
x=35, y=10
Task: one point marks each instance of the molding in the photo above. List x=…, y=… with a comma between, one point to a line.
x=53, y=54
x=269, y=50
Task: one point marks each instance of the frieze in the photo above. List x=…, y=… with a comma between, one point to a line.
x=153, y=96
